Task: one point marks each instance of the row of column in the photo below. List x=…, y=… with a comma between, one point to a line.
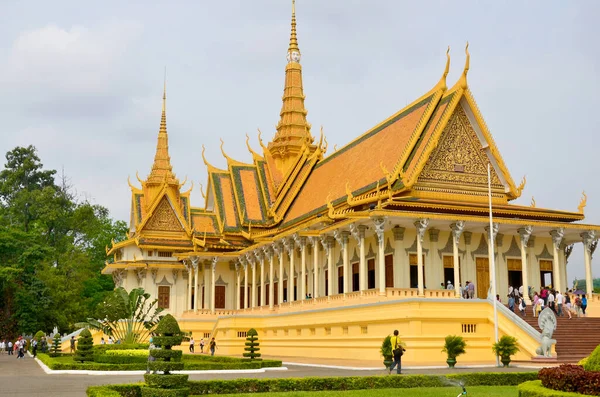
x=193, y=267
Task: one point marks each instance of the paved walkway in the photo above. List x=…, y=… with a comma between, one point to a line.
x=25, y=377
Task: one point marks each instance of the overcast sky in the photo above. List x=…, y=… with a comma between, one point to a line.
x=82, y=81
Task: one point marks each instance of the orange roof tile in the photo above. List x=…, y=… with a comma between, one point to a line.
x=250, y=190
x=358, y=162
x=204, y=223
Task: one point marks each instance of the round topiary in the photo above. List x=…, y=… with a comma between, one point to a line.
x=85, y=346
x=592, y=363
x=166, y=360
x=252, y=344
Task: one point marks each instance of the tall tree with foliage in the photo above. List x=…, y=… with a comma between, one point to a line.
x=128, y=317
x=52, y=248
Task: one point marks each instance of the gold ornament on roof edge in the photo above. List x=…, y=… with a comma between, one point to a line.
x=582, y=203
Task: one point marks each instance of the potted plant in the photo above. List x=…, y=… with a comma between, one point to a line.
x=505, y=347
x=386, y=352
x=454, y=347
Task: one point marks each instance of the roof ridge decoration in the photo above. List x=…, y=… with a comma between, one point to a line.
x=255, y=155
x=211, y=168
x=582, y=203
x=230, y=161
x=162, y=170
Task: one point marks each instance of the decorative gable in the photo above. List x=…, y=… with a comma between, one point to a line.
x=164, y=218
x=458, y=158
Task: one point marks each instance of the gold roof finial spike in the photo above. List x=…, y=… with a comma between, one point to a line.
x=582, y=203
x=521, y=185
x=532, y=202
x=262, y=145
x=203, y=156
x=463, y=78
x=442, y=82
x=293, y=37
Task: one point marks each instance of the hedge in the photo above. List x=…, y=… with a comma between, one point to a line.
x=235, y=386
x=571, y=378
x=534, y=388
x=132, y=346
x=592, y=363
x=89, y=366
x=112, y=359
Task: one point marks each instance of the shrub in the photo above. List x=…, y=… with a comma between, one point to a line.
x=166, y=360
x=127, y=353
x=85, y=344
x=386, y=347
x=571, y=378
x=454, y=346
x=100, y=349
x=505, y=347
x=112, y=359
x=252, y=344
x=39, y=335
x=56, y=346
x=593, y=361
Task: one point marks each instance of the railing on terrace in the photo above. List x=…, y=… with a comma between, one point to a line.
x=338, y=300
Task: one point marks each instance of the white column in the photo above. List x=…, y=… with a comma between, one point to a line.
x=379, y=230
x=303, y=266
x=245, y=285
x=525, y=233
x=345, y=238
x=238, y=286
x=195, y=261
x=261, y=258
x=269, y=254
x=557, y=237
x=188, y=265
x=315, y=245
x=253, y=266
x=589, y=245
x=491, y=242
x=457, y=229
x=290, y=249
x=421, y=226
x=206, y=277
x=278, y=249
x=330, y=244
x=362, y=266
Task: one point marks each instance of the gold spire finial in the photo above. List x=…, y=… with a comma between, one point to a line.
x=293, y=54
x=582, y=203
x=463, y=78
x=442, y=82
x=162, y=171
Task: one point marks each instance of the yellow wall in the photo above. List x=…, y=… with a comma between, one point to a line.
x=357, y=331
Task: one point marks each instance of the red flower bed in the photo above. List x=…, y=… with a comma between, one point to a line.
x=571, y=378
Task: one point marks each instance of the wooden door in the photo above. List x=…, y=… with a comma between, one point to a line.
x=371, y=273
x=219, y=297
x=276, y=293
x=241, y=297
x=483, y=277
x=389, y=271
x=340, y=280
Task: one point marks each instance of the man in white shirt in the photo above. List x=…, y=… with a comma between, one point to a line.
x=559, y=303
x=551, y=301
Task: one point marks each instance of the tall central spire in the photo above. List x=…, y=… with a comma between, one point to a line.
x=293, y=131
x=162, y=171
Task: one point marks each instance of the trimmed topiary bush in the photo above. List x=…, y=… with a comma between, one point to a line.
x=85, y=346
x=252, y=345
x=165, y=361
x=56, y=346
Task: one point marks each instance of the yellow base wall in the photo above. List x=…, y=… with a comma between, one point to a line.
x=356, y=332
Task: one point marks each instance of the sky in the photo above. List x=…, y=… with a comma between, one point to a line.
x=82, y=81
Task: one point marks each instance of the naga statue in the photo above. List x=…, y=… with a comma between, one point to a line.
x=547, y=323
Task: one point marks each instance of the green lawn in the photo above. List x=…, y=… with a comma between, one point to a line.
x=483, y=391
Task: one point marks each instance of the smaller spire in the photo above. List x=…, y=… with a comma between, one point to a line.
x=162, y=169
x=463, y=78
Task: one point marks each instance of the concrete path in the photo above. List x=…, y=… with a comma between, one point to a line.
x=24, y=377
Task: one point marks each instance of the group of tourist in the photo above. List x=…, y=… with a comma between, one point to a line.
x=19, y=347
x=516, y=300
x=570, y=304
x=212, y=345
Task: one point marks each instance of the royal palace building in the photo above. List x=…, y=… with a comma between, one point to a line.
x=305, y=245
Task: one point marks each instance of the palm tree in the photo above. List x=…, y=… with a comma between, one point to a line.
x=128, y=317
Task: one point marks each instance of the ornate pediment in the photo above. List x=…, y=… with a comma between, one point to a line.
x=458, y=158
x=163, y=218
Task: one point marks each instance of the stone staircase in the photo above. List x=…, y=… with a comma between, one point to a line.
x=575, y=338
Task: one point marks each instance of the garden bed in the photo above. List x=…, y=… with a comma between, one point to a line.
x=137, y=363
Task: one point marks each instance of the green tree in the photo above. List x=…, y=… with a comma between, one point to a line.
x=129, y=317
x=85, y=346
x=252, y=344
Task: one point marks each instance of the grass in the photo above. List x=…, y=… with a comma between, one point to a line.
x=483, y=391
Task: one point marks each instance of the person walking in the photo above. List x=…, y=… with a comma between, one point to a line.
x=201, y=345
x=583, y=304
x=471, y=290
x=9, y=348
x=212, y=346
x=34, y=344
x=559, y=304
x=73, y=344
x=191, y=344
x=397, y=351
